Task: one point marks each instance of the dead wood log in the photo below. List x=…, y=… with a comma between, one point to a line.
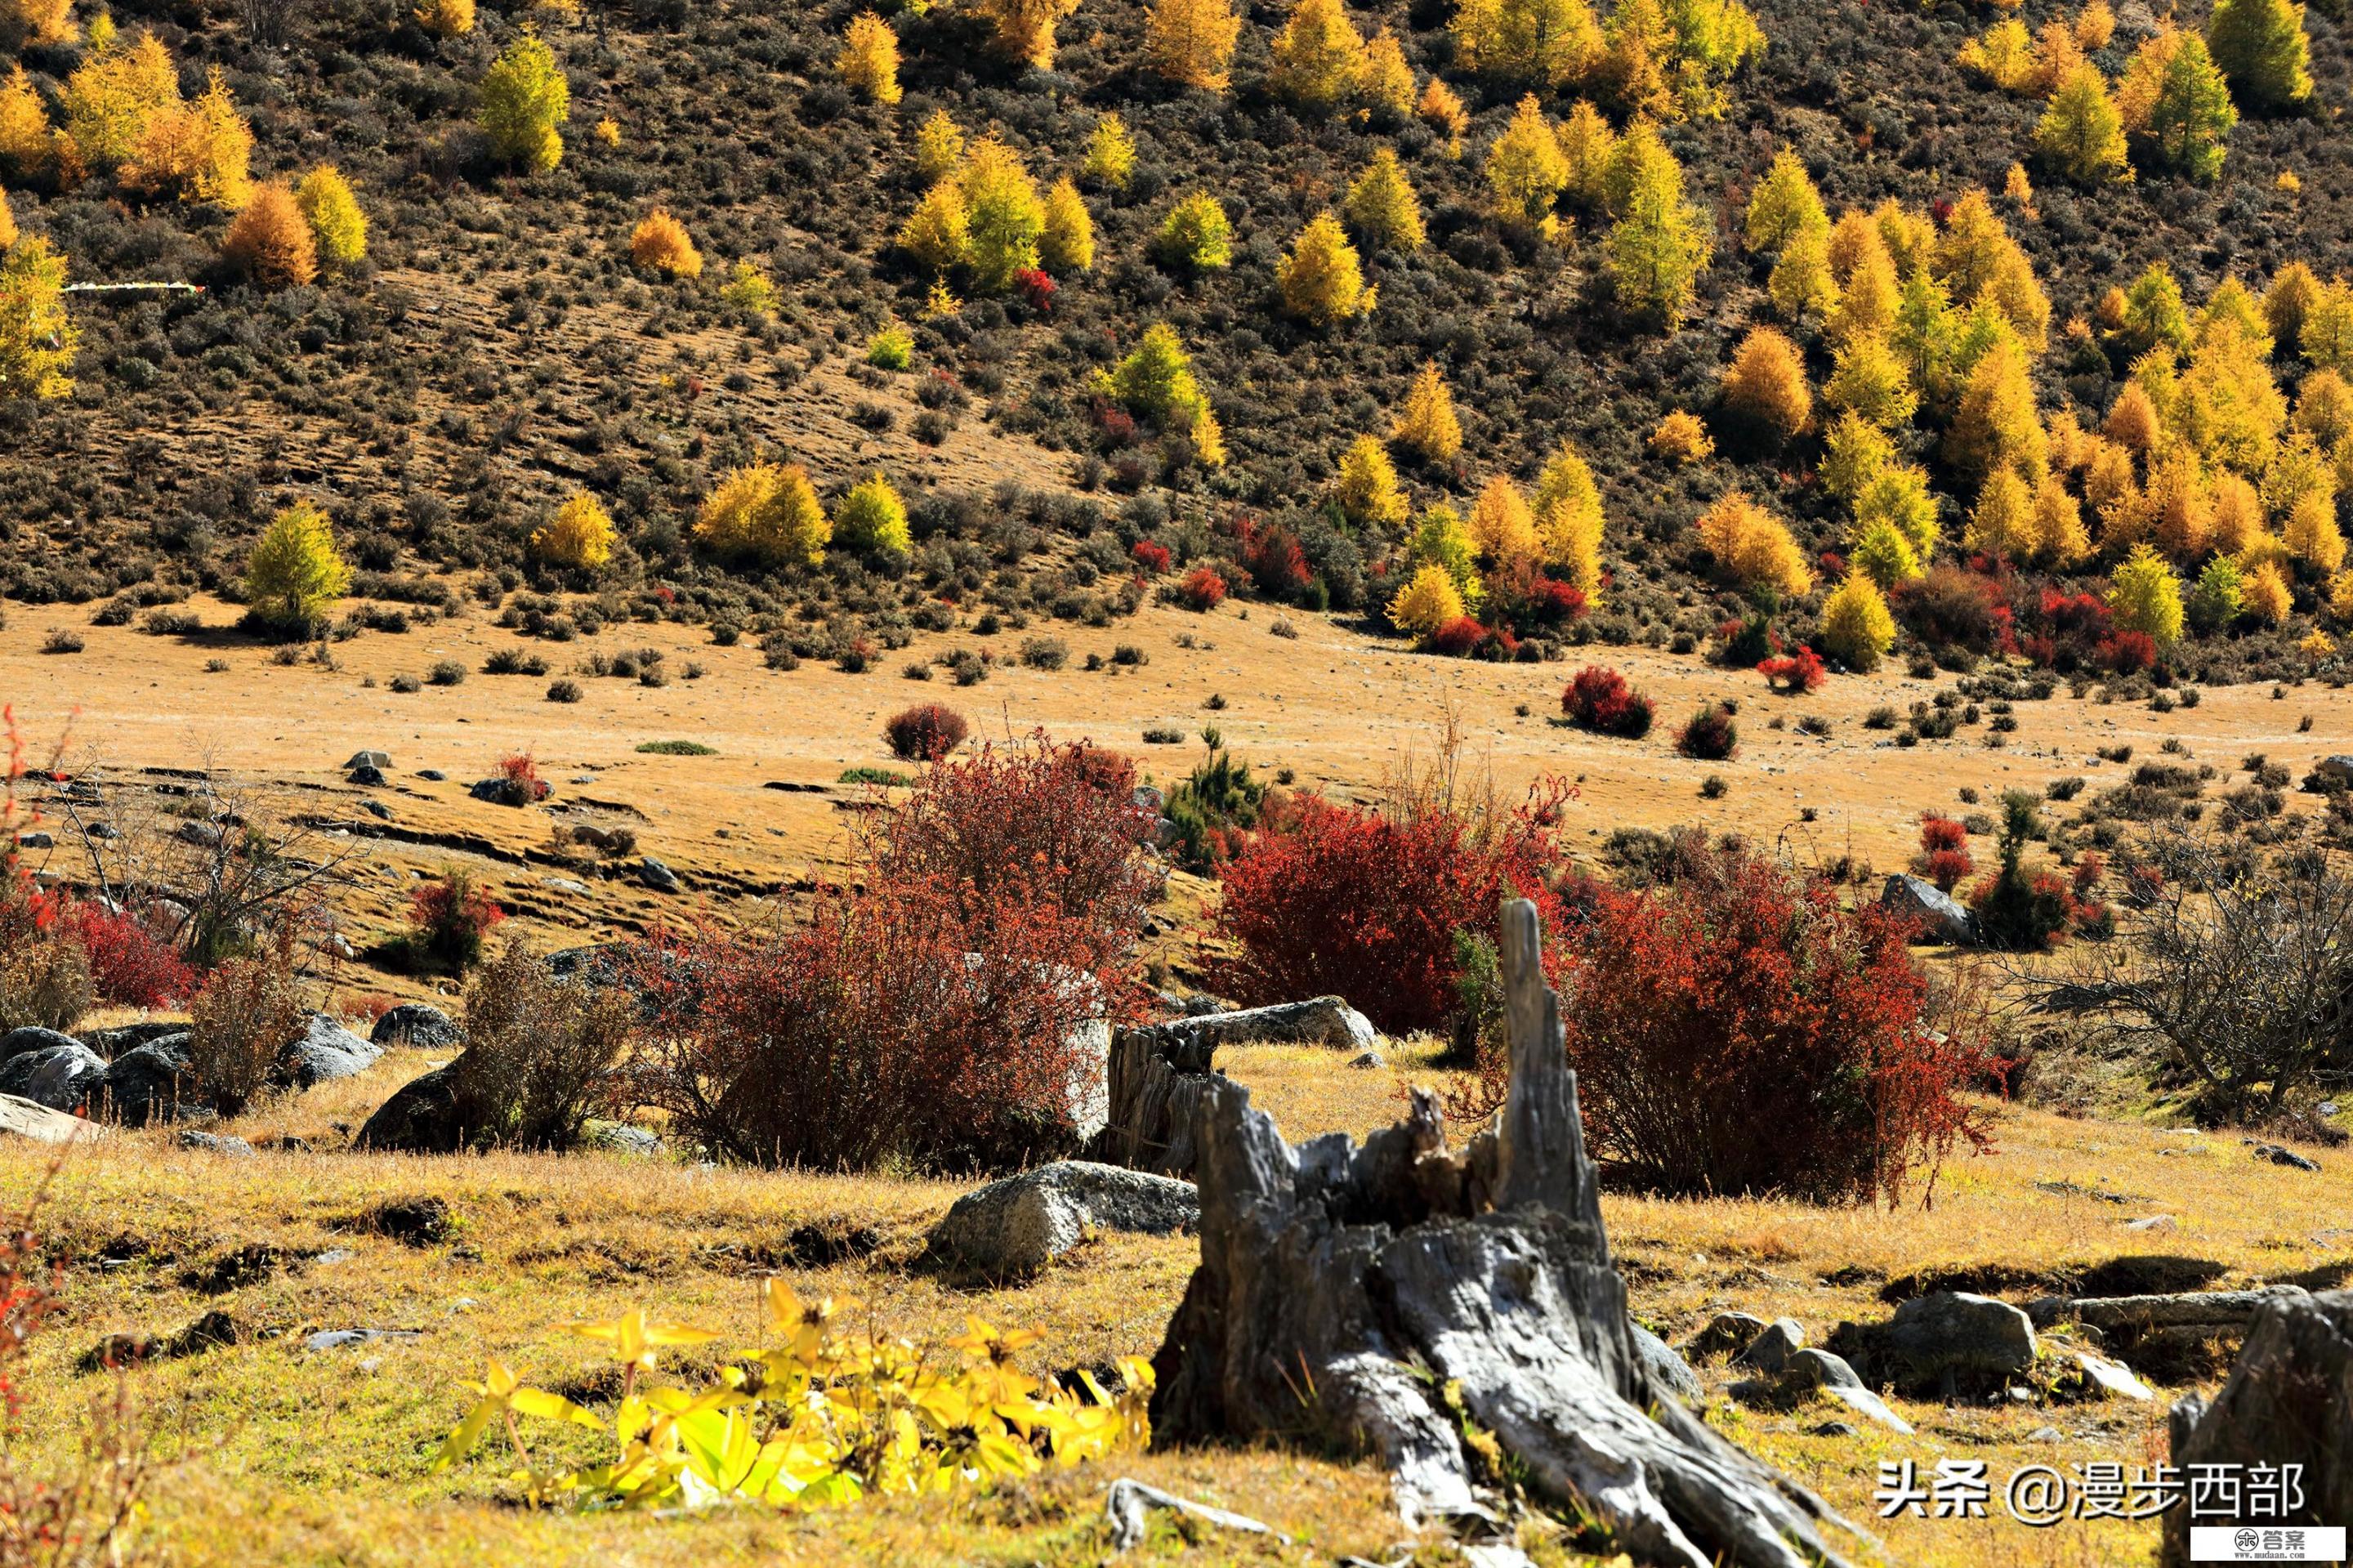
x=1341, y=1287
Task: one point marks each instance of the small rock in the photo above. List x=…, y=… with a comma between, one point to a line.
x=332, y=1255
x=21, y=1117
x=433, y=774
x=214, y=1143
x=2046, y=1434
x=368, y=776
x=1833, y=1429
x=1943, y=1336
x=1939, y=915
x=415, y=1023
x=367, y=759
x=656, y=876
x=326, y=1051
x=620, y=1137
x=34, y=839
x=1367, y=1058
x=2154, y=1223
x=1726, y=1333
x=2113, y=1377
x=2288, y=1157
x=1021, y=1223
x=2326, y=1107
x=102, y=830
x=1770, y=1351
x=377, y=809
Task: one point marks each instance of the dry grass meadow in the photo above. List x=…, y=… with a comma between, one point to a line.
x=278, y=1453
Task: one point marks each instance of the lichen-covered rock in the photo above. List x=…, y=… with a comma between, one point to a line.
x=148, y=1082
x=414, y=1023
x=1937, y=1342
x=21, y=1117
x=1020, y=1224
x=1939, y=915
x=63, y=1078
x=326, y=1051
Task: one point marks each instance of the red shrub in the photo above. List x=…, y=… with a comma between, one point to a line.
x=1364, y=902
x=1040, y=822
x=1945, y=867
x=1202, y=589
x=1793, y=672
x=449, y=917
x=522, y=774
x=1740, y=997
x=2126, y=652
x=130, y=966
x=1599, y=699
x=926, y=733
x=1458, y=637
x=1118, y=425
x=2088, y=872
x=1942, y=833
x=886, y=1029
x=1272, y=555
x=932, y=1012
x=1150, y=556
x=1036, y=290
x=1556, y=603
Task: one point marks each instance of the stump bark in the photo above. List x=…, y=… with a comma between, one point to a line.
x=1344, y=1292
x=2288, y=1401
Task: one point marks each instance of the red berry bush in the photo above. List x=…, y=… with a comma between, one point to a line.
x=1599, y=699
x=130, y=964
x=1944, y=856
x=926, y=733
x=449, y=917
x=1365, y=902
x=1202, y=589
x=932, y=1012
x=1793, y=673
x=1736, y=1030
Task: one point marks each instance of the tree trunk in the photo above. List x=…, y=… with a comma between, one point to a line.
x=1341, y=1287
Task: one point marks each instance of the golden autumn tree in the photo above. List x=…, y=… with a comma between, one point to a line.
x=1425, y=423
x=869, y=60
x=1661, y=243
x=28, y=146
x=1764, y=389
x=2081, y=133
x=1111, y=153
x=37, y=339
x=939, y=147
x=660, y=244
x=525, y=103
x=1322, y=280
x=1067, y=244
x=1570, y=520
x=2260, y=47
x=1318, y=59
x=1388, y=82
x=1005, y=216
x=112, y=99
x=580, y=536
x=1525, y=169
x=1191, y=42
x=199, y=152
x=270, y=244
x=333, y=211
x=1382, y=208
x=1023, y=30
x=1368, y=488
x=765, y=512
x=1857, y=628
x=295, y=572
x=1784, y=203
x=1752, y=547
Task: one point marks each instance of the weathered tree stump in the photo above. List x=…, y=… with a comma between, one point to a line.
x=1341, y=1289
x=2288, y=1401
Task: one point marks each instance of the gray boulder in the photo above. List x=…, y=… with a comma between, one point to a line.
x=1727, y=1333
x=1319, y=1020
x=422, y=1116
x=414, y=1023
x=32, y=1037
x=112, y=1043
x=1939, y=915
x=1667, y=1372
x=1823, y=1372
x=21, y=1117
x=1769, y=1352
x=1018, y=1225
x=149, y=1081
x=214, y=1143
x=368, y=776
x=1939, y=1341
x=376, y=759
x=326, y=1050
x=657, y=876
x=34, y=839
x=63, y=1078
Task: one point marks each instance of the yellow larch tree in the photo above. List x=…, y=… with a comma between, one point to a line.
x=1191, y=42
